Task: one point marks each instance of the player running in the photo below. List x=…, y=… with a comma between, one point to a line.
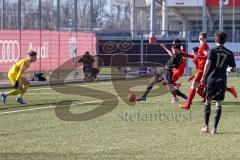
x=165, y=74
x=219, y=59
x=19, y=83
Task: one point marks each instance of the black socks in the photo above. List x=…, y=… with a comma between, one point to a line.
x=179, y=93
x=149, y=88
x=217, y=116
x=207, y=113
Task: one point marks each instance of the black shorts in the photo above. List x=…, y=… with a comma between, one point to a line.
x=215, y=89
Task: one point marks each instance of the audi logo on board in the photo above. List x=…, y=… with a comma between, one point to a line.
x=10, y=50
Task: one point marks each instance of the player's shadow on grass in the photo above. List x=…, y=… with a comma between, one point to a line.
x=230, y=133
x=45, y=105
x=223, y=103
x=34, y=105
x=231, y=103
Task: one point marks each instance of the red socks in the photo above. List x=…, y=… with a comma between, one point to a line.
x=192, y=93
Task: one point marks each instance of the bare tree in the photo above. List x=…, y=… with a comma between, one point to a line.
x=104, y=16
x=30, y=14
x=10, y=14
x=67, y=14
x=47, y=14
x=119, y=15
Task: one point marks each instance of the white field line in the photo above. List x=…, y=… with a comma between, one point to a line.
x=85, y=85
x=52, y=106
x=107, y=83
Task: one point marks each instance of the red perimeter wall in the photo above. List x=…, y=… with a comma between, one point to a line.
x=54, y=48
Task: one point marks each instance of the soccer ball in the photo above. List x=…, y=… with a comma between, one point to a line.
x=131, y=97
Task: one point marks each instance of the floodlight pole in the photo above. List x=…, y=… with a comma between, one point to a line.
x=19, y=14
x=75, y=16
x=91, y=15
x=204, y=16
x=233, y=22
x=153, y=18
x=133, y=15
x=40, y=14
x=58, y=15
x=40, y=29
x=3, y=12
x=164, y=18
x=221, y=12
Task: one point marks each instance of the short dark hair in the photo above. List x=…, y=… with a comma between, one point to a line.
x=176, y=46
x=195, y=49
x=203, y=34
x=87, y=53
x=220, y=37
x=32, y=53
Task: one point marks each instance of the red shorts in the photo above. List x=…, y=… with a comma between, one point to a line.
x=198, y=76
x=177, y=73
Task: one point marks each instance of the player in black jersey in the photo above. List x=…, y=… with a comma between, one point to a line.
x=220, y=59
x=174, y=62
x=165, y=73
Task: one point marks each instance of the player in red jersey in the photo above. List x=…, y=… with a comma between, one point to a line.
x=200, y=60
x=200, y=89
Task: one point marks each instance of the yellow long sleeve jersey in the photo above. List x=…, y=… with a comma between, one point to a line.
x=17, y=69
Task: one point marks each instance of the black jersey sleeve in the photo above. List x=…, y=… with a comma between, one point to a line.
x=232, y=62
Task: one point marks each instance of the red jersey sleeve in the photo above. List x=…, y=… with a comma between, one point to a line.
x=186, y=54
x=203, y=57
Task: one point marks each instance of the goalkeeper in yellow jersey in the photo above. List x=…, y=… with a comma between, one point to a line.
x=20, y=83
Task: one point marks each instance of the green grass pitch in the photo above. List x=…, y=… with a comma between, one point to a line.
x=155, y=129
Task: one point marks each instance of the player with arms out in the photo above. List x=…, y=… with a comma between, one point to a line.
x=179, y=71
x=19, y=83
x=164, y=74
x=174, y=72
x=219, y=59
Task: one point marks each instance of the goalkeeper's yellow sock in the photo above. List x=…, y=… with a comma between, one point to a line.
x=12, y=92
x=26, y=86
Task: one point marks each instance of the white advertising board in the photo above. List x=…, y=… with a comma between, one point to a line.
x=187, y=3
